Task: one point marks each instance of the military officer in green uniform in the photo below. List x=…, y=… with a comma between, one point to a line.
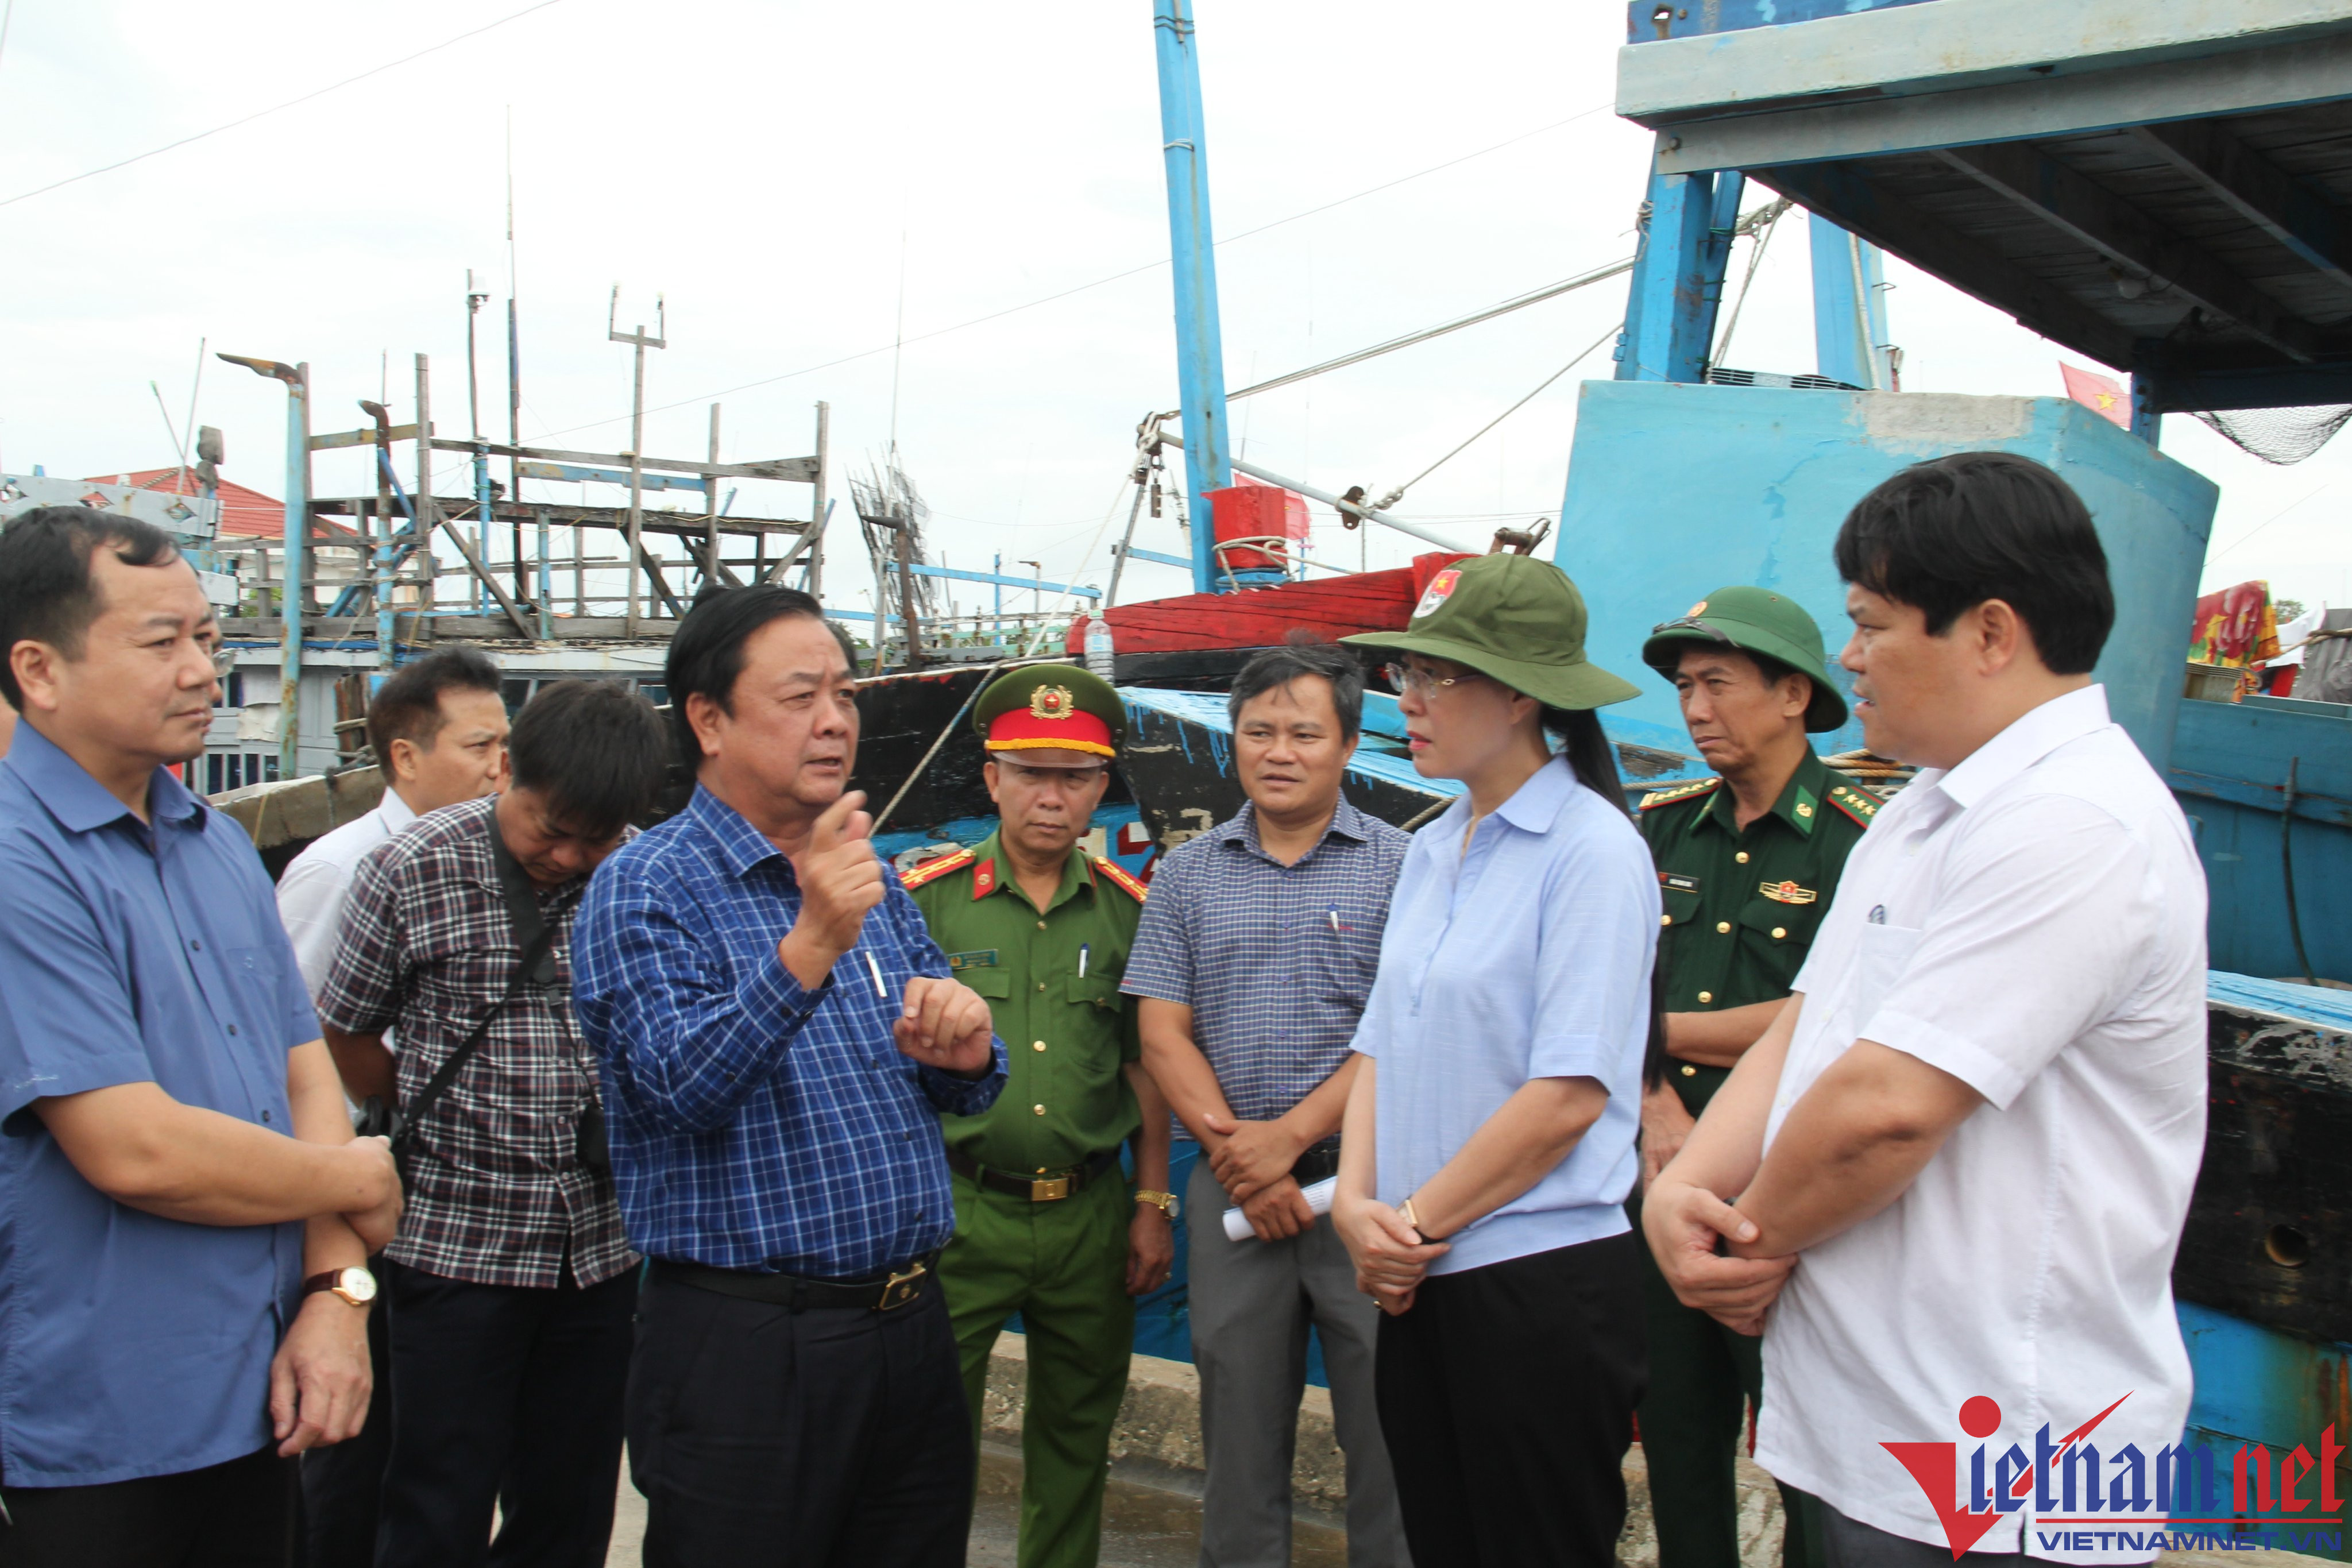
x=1747, y=863
x=1047, y=1224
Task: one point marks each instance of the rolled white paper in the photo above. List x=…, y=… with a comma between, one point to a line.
x=1319, y=1198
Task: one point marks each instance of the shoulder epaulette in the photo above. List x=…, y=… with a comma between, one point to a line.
x=1856, y=802
x=1122, y=879
x=1674, y=793
x=932, y=870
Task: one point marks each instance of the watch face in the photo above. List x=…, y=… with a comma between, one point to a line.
x=355, y=1285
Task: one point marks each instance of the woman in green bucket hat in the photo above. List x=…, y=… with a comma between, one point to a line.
x=1488, y=1145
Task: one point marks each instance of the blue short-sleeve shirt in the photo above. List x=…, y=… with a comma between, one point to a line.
x=132, y=1345
x=1527, y=957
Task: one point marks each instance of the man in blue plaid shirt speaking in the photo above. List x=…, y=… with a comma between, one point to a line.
x=777, y=1035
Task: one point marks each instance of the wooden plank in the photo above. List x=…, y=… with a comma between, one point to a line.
x=798, y=470
x=2090, y=214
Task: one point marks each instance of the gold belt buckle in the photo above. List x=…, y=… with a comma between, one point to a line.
x=900, y=1288
x=1049, y=1189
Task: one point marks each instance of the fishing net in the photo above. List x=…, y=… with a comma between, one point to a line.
x=2280, y=436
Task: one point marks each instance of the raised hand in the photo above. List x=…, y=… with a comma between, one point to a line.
x=840, y=879
x=945, y=1024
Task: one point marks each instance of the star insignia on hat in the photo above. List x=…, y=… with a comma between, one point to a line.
x=1052, y=702
x=1698, y=609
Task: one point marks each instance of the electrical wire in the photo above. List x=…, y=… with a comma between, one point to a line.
x=1084, y=287
x=273, y=109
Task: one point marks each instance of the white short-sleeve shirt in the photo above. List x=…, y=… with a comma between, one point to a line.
x=313, y=887
x=2031, y=922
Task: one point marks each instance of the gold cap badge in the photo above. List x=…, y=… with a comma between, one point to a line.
x=1052, y=702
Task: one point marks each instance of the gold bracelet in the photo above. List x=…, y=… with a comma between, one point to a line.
x=1412, y=1218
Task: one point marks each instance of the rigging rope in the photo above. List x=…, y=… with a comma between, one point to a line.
x=1759, y=223
x=1518, y=303
x=1397, y=494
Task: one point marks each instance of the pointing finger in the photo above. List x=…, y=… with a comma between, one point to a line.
x=832, y=824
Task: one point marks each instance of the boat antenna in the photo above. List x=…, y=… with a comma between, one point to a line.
x=897, y=345
x=514, y=369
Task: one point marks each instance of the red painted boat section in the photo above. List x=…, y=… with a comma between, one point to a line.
x=1260, y=618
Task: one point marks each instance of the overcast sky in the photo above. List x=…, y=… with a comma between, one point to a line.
x=775, y=168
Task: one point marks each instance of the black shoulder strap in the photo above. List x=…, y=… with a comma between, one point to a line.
x=534, y=936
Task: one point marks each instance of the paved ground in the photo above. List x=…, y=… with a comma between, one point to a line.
x=1143, y=1527
x=1152, y=1527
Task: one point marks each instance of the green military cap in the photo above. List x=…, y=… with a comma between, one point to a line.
x=1760, y=622
x=1515, y=618
x=1060, y=714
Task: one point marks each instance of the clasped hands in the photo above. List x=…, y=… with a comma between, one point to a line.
x=1707, y=1250
x=1252, y=1161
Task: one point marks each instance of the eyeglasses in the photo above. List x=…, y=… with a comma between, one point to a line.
x=224, y=659
x=1420, y=683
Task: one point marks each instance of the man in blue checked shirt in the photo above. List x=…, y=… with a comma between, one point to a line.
x=779, y=1035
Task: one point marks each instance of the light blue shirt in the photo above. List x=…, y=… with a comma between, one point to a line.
x=1527, y=957
x=131, y=1344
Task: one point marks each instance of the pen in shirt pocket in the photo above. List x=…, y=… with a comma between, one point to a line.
x=1084, y=948
x=875, y=970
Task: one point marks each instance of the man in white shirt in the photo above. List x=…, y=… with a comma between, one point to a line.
x=439, y=730
x=1976, y=1123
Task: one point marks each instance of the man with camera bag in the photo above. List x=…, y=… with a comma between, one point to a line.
x=513, y=1281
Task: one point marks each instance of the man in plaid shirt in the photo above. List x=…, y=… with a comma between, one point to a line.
x=513, y=1281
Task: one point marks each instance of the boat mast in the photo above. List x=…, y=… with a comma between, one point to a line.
x=1200, y=346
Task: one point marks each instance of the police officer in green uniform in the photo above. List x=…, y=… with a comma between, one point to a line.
x=1048, y=1225
x=1747, y=863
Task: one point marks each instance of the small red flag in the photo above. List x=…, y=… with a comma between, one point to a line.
x=2100, y=393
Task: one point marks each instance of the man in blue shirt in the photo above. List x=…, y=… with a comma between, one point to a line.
x=778, y=1037
x=171, y=1329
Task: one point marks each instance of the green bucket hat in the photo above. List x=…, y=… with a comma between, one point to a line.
x=1760, y=622
x=1515, y=618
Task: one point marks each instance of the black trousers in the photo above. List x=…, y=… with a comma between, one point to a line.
x=343, y=1484
x=1507, y=1397
x=235, y=1515
x=510, y=1397
x=766, y=1438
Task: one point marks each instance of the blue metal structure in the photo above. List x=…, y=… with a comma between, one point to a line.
x=2166, y=190
x=1848, y=308
x=1677, y=285
x=1200, y=341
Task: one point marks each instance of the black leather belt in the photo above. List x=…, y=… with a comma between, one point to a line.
x=1038, y=1189
x=1316, y=1164
x=881, y=1294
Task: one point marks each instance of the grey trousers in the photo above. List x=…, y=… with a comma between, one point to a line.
x=1250, y=1304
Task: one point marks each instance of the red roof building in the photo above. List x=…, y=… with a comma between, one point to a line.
x=245, y=513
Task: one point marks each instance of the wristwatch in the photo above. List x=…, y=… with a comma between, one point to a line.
x=1164, y=1202
x=355, y=1285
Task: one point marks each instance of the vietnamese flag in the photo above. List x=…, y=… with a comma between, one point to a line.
x=2101, y=393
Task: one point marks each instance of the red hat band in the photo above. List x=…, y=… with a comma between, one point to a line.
x=1051, y=722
